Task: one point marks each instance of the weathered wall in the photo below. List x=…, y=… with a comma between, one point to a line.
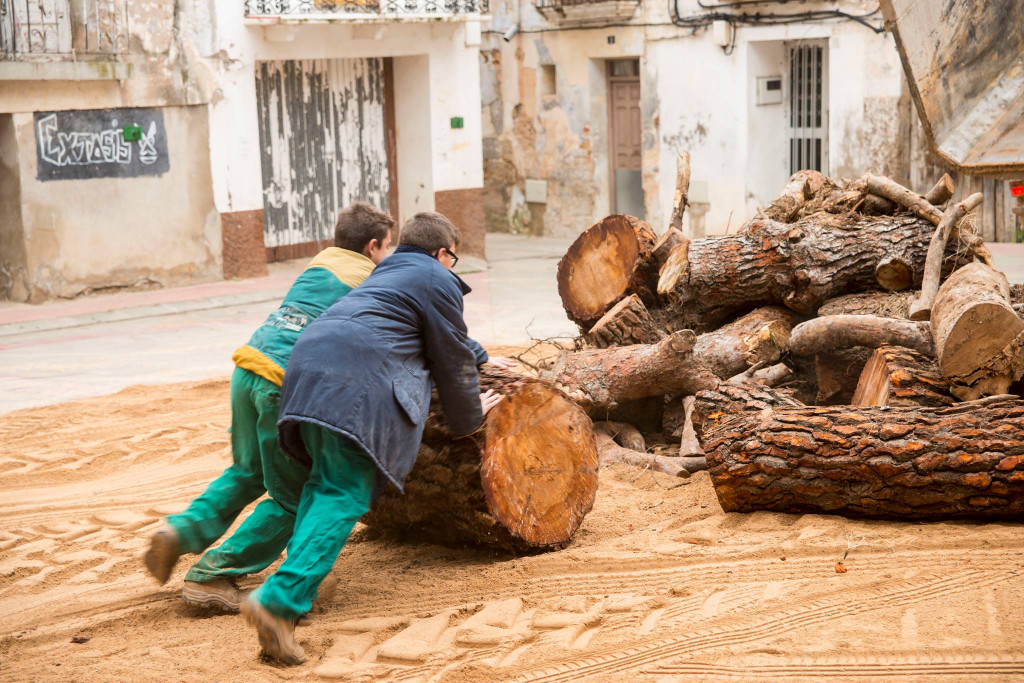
x=85, y=235
x=694, y=97
x=12, y=239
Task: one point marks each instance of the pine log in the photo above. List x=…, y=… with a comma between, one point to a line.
x=884, y=304
x=609, y=261
x=802, y=186
x=759, y=336
x=628, y=322
x=799, y=265
x=829, y=333
x=681, y=198
x=838, y=372
x=773, y=375
x=979, y=339
x=921, y=309
x=965, y=460
x=711, y=406
x=897, y=376
x=601, y=379
x=524, y=480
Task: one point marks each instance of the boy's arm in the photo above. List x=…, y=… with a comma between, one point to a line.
x=450, y=357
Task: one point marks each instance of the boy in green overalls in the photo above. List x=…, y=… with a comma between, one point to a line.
x=361, y=239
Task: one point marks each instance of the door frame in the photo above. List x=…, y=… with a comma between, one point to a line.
x=609, y=79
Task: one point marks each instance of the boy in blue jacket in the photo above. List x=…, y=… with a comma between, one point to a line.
x=354, y=403
x=361, y=239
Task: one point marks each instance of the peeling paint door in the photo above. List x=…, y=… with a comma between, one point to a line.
x=322, y=127
x=624, y=98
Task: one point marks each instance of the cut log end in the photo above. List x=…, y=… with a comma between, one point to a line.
x=628, y=322
x=606, y=263
x=894, y=274
x=897, y=376
x=539, y=466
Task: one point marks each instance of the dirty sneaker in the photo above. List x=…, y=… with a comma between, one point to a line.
x=277, y=635
x=221, y=593
x=163, y=554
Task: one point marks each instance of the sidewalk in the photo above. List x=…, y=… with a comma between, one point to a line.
x=64, y=350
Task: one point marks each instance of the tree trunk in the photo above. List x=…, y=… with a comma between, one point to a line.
x=799, y=265
x=965, y=460
x=802, y=186
x=729, y=398
x=759, y=336
x=884, y=304
x=628, y=322
x=897, y=376
x=601, y=379
x=524, y=480
x=979, y=340
x=609, y=261
x=829, y=333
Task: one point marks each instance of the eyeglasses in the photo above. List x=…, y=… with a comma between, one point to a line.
x=455, y=259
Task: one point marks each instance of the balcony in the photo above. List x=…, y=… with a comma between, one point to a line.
x=582, y=12
x=301, y=11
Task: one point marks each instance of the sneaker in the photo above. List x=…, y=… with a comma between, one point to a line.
x=163, y=554
x=222, y=593
x=277, y=635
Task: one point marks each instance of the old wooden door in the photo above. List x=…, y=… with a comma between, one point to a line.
x=323, y=145
x=624, y=97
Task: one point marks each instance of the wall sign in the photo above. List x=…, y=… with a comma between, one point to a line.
x=77, y=145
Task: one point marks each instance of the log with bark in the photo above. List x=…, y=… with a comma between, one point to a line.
x=798, y=265
x=884, y=304
x=730, y=398
x=525, y=480
x=965, y=460
x=628, y=322
x=609, y=261
x=759, y=336
x=832, y=332
x=898, y=376
x=979, y=339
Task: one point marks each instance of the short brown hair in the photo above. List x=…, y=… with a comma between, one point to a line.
x=430, y=231
x=358, y=223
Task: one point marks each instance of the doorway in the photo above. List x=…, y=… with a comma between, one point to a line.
x=624, y=137
x=808, y=106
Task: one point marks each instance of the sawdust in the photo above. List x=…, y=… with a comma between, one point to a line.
x=659, y=583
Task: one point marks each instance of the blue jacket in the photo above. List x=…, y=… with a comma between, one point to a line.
x=366, y=367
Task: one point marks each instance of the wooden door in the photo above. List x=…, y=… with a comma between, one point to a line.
x=625, y=137
x=323, y=145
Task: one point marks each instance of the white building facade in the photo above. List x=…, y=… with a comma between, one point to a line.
x=588, y=104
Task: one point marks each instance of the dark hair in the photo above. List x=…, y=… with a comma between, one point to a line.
x=358, y=223
x=430, y=231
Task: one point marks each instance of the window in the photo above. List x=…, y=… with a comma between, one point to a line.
x=548, y=80
x=808, y=107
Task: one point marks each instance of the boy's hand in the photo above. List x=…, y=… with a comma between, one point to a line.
x=500, y=362
x=489, y=399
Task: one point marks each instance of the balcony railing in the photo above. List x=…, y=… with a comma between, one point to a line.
x=586, y=11
x=341, y=10
x=62, y=30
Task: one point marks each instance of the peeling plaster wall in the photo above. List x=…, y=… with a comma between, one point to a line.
x=694, y=98
x=81, y=236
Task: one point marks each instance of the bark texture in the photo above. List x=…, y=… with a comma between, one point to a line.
x=965, y=460
x=884, y=304
x=628, y=322
x=759, y=336
x=979, y=339
x=798, y=265
x=897, y=376
x=525, y=480
x=601, y=379
x=711, y=406
x=609, y=261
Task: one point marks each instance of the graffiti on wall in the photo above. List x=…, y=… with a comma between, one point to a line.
x=100, y=143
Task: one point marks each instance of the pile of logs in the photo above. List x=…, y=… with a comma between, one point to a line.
x=851, y=349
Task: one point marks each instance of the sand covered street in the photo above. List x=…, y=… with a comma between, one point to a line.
x=658, y=584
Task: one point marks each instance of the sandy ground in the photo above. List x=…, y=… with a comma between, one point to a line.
x=659, y=584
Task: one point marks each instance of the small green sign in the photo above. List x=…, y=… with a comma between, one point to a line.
x=132, y=133
x=457, y=122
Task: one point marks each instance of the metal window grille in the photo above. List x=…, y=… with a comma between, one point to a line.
x=336, y=9
x=47, y=28
x=808, y=107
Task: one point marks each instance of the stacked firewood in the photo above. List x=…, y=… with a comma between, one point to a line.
x=850, y=349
